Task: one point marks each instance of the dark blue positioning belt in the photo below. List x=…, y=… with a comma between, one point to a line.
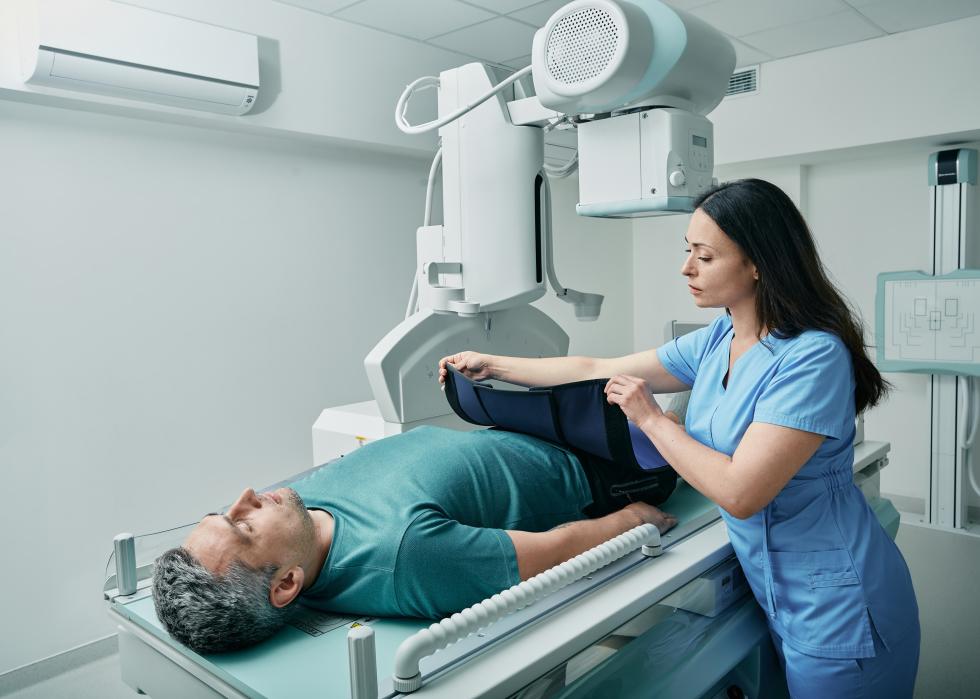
x=576, y=415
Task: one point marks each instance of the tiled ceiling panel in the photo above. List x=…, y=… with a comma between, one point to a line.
x=540, y=13
x=814, y=34
x=741, y=17
x=746, y=55
x=503, y=6
x=417, y=20
x=497, y=40
x=500, y=31
x=902, y=15
x=518, y=63
x=324, y=7
x=689, y=4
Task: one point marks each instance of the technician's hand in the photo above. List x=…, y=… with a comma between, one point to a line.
x=651, y=515
x=632, y=395
x=472, y=365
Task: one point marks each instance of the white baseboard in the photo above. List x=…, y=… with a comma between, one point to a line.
x=46, y=668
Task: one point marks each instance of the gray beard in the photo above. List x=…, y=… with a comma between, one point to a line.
x=296, y=502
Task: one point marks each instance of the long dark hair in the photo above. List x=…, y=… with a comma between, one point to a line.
x=794, y=293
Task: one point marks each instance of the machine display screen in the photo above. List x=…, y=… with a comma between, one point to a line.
x=699, y=141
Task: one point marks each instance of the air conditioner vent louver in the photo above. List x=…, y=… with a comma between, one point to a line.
x=743, y=80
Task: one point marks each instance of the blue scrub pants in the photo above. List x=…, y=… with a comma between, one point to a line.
x=891, y=673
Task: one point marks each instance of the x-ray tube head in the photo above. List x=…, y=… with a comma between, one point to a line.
x=598, y=56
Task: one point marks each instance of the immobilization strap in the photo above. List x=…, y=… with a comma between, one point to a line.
x=573, y=414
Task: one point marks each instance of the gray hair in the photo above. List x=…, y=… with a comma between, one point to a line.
x=212, y=613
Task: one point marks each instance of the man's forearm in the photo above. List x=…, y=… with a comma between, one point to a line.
x=539, y=551
x=577, y=537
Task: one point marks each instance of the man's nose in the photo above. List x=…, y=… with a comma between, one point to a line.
x=248, y=500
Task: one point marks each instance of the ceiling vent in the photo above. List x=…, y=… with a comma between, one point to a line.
x=743, y=81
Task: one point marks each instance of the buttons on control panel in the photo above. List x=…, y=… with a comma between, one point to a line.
x=699, y=159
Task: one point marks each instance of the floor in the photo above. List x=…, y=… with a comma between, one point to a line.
x=96, y=680
x=949, y=609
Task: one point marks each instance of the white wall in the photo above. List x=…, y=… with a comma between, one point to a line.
x=661, y=294
x=901, y=87
x=871, y=216
x=592, y=255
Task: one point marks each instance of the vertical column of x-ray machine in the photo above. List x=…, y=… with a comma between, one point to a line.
x=928, y=323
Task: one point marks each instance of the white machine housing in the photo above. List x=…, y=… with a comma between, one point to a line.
x=489, y=188
x=596, y=56
x=402, y=366
x=476, y=272
x=604, y=60
x=123, y=51
x=644, y=163
x=635, y=79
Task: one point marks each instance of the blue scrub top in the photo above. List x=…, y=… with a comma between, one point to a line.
x=816, y=557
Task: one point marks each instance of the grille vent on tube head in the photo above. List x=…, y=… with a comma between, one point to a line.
x=743, y=81
x=582, y=45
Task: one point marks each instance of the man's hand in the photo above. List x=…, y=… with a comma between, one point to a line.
x=649, y=514
x=472, y=365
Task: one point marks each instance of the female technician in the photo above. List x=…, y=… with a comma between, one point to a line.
x=775, y=385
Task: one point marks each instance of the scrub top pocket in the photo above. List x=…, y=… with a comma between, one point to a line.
x=820, y=604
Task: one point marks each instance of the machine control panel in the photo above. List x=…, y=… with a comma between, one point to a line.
x=700, y=153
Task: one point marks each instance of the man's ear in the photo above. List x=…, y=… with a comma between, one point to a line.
x=286, y=586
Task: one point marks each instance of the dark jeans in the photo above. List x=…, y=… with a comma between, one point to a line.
x=614, y=486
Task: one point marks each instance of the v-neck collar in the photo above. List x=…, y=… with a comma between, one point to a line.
x=726, y=379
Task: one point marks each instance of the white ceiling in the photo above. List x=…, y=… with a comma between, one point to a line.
x=500, y=31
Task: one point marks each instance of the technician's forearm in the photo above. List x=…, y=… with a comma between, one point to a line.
x=708, y=471
x=544, y=371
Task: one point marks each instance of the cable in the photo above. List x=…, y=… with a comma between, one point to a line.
x=968, y=442
x=549, y=244
x=587, y=306
x=436, y=162
x=413, y=296
x=572, y=165
x=564, y=170
x=429, y=82
x=147, y=534
x=973, y=479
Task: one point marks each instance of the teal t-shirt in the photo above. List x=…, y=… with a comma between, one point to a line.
x=419, y=518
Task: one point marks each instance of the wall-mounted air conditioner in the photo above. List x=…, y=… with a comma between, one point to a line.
x=110, y=48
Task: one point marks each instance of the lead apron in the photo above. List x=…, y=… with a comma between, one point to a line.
x=815, y=600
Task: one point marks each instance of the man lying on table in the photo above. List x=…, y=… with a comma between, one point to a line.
x=421, y=524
